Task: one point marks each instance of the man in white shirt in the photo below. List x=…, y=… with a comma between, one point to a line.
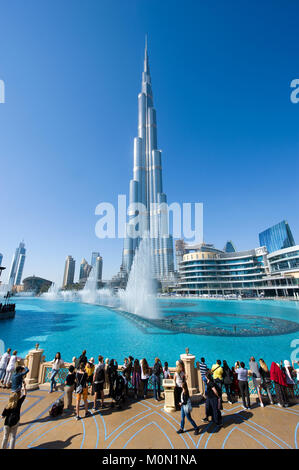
x=3, y=364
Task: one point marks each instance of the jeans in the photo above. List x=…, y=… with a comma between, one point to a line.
x=219, y=383
x=9, y=431
x=212, y=409
x=228, y=391
x=188, y=416
x=7, y=378
x=243, y=385
x=204, y=379
x=145, y=384
x=2, y=373
x=53, y=381
x=156, y=383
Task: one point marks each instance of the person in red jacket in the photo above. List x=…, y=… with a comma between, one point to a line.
x=280, y=384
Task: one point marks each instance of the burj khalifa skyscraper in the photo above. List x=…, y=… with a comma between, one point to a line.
x=146, y=190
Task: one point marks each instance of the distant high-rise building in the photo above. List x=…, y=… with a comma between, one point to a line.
x=146, y=188
x=17, y=265
x=1, y=258
x=179, y=251
x=277, y=237
x=85, y=269
x=94, y=256
x=69, y=271
x=99, y=269
x=229, y=247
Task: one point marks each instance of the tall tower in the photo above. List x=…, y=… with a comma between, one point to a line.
x=17, y=265
x=69, y=271
x=146, y=187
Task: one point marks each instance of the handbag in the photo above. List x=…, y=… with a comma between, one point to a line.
x=188, y=407
x=79, y=388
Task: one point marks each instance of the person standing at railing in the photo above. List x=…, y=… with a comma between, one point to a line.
x=89, y=369
x=296, y=369
x=145, y=374
x=81, y=390
x=57, y=363
x=212, y=406
x=217, y=372
x=136, y=378
x=98, y=382
x=5, y=358
x=266, y=381
x=290, y=375
x=256, y=377
x=69, y=387
x=280, y=384
x=156, y=378
x=10, y=369
x=203, y=368
x=227, y=381
x=243, y=385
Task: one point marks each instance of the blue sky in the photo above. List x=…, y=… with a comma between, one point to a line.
x=221, y=74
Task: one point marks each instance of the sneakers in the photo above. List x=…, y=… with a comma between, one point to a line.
x=77, y=418
x=180, y=431
x=244, y=407
x=205, y=420
x=94, y=410
x=87, y=414
x=278, y=404
x=262, y=405
x=230, y=402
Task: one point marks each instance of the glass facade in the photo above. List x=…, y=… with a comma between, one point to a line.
x=229, y=247
x=207, y=271
x=277, y=237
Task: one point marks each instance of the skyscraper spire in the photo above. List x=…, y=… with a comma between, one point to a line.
x=146, y=64
x=146, y=186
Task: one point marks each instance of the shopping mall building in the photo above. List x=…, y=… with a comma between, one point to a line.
x=205, y=270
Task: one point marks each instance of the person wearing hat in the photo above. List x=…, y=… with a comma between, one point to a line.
x=89, y=369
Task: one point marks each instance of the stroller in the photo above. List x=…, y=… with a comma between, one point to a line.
x=57, y=408
x=118, y=391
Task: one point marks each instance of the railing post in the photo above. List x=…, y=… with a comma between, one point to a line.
x=169, y=401
x=190, y=371
x=33, y=360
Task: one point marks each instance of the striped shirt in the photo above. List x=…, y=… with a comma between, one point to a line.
x=203, y=369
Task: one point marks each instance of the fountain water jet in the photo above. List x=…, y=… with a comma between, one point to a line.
x=139, y=297
x=140, y=294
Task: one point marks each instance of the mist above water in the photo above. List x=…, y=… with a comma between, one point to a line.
x=139, y=297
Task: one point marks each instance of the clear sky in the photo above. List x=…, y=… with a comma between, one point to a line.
x=221, y=74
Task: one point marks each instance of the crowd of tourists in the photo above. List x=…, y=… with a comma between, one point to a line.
x=87, y=378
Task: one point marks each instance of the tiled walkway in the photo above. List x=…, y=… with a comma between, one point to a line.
x=144, y=424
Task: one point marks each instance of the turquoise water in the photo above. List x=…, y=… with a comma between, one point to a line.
x=70, y=327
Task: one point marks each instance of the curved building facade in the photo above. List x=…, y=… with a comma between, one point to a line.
x=205, y=270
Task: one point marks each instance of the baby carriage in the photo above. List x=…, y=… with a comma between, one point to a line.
x=57, y=408
x=118, y=392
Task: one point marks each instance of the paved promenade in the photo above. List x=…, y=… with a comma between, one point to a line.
x=144, y=424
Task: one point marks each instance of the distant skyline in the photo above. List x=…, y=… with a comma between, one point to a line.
x=228, y=130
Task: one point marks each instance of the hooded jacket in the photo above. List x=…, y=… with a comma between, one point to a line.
x=277, y=375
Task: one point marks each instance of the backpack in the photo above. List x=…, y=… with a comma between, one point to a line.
x=56, y=409
x=100, y=375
